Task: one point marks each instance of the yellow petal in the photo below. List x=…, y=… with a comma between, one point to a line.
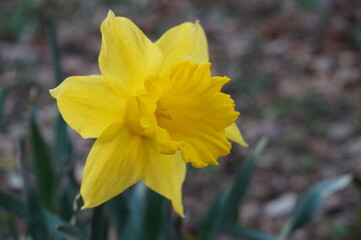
x=183, y=42
x=200, y=113
x=115, y=162
x=127, y=56
x=88, y=105
x=120, y=158
x=234, y=134
x=165, y=175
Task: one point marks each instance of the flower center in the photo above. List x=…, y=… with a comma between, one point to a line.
x=164, y=113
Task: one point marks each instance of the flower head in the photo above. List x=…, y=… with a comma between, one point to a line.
x=154, y=108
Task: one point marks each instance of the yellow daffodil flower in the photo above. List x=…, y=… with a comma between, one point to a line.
x=154, y=108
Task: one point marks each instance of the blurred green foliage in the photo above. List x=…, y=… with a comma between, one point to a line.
x=3, y=96
x=357, y=38
x=309, y=5
x=140, y=213
x=15, y=16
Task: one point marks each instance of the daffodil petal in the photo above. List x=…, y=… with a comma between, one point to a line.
x=120, y=158
x=115, y=162
x=165, y=175
x=183, y=42
x=84, y=104
x=200, y=113
x=234, y=134
x=127, y=56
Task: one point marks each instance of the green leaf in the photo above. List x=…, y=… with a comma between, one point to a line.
x=71, y=231
x=137, y=207
x=67, y=190
x=356, y=37
x=13, y=204
x=41, y=163
x=311, y=201
x=309, y=5
x=118, y=212
x=35, y=218
x=11, y=226
x=135, y=224
x=155, y=215
x=225, y=207
x=63, y=147
x=51, y=24
x=3, y=96
x=247, y=233
x=52, y=221
x=208, y=228
x=99, y=224
x=169, y=228
x=63, y=166
x=19, y=208
x=241, y=181
x=63, y=163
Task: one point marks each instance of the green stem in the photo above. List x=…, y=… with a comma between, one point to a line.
x=55, y=51
x=63, y=148
x=97, y=223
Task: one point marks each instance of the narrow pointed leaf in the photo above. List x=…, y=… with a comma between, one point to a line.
x=225, y=209
x=137, y=207
x=247, y=233
x=3, y=96
x=98, y=227
x=134, y=227
x=41, y=163
x=19, y=208
x=63, y=148
x=169, y=229
x=118, y=212
x=12, y=227
x=36, y=219
x=242, y=180
x=208, y=228
x=155, y=215
x=52, y=222
x=13, y=204
x=71, y=231
x=308, y=205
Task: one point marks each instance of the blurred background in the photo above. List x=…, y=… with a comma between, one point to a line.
x=296, y=78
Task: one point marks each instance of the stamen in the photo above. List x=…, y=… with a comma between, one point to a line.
x=165, y=113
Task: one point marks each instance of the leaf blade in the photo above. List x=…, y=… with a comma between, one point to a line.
x=13, y=204
x=311, y=201
x=248, y=233
x=226, y=206
x=41, y=163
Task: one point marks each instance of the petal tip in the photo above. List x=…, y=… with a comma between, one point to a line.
x=234, y=134
x=242, y=142
x=178, y=208
x=85, y=206
x=54, y=93
x=226, y=79
x=207, y=65
x=197, y=24
x=110, y=14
